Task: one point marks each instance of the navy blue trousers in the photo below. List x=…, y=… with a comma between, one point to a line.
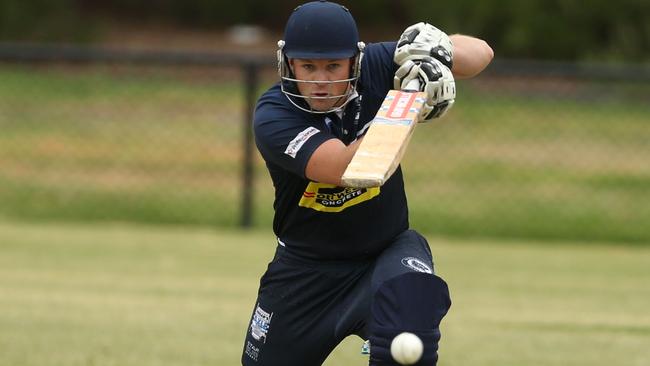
x=305, y=308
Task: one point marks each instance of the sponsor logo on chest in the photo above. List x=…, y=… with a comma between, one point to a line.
x=331, y=198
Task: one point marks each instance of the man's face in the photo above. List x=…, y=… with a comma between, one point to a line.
x=322, y=70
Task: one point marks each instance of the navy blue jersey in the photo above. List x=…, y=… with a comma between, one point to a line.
x=324, y=221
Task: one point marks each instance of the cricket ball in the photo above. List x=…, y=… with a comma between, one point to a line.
x=406, y=348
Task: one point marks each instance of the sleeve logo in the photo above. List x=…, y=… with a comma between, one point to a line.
x=296, y=144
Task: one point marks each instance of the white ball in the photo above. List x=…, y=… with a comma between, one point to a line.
x=406, y=348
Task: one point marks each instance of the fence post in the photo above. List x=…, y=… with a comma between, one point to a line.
x=250, y=92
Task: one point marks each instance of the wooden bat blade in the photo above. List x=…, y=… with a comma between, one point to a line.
x=386, y=140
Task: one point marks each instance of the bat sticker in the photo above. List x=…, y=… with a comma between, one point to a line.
x=391, y=121
x=401, y=105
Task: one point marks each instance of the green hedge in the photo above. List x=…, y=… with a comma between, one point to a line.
x=43, y=20
x=547, y=29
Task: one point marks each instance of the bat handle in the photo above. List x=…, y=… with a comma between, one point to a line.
x=413, y=86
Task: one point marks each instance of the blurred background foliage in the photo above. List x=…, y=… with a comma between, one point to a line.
x=534, y=149
x=598, y=30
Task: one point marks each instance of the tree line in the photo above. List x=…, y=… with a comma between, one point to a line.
x=595, y=30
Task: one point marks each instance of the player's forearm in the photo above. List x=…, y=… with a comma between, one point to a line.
x=329, y=161
x=471, y=56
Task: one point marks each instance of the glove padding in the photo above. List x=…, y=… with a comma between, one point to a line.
x=424, y=52
x=421, y=40
x=436, y=81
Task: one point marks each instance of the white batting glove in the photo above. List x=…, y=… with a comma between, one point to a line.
x=436, y=81
x=421, y=40
x=424, y=52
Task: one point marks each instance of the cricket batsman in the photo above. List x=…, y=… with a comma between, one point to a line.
x=346, y=260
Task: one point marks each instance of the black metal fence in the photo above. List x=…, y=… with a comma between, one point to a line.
x=531, y=149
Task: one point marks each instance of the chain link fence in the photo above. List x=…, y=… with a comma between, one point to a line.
x=530, y=149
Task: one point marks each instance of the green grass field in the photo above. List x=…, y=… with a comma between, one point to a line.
x=102, y=294
x=98, y=143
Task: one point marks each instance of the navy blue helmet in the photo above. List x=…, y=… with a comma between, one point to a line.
x=319, y=30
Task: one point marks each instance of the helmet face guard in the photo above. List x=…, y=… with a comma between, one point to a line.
x=319, y=30
x=289, y=84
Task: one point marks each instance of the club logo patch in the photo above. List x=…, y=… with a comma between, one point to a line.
x=331, y=198
x=260, y=324
x=416, y=265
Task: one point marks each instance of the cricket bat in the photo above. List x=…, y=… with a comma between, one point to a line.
x=385, y=142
